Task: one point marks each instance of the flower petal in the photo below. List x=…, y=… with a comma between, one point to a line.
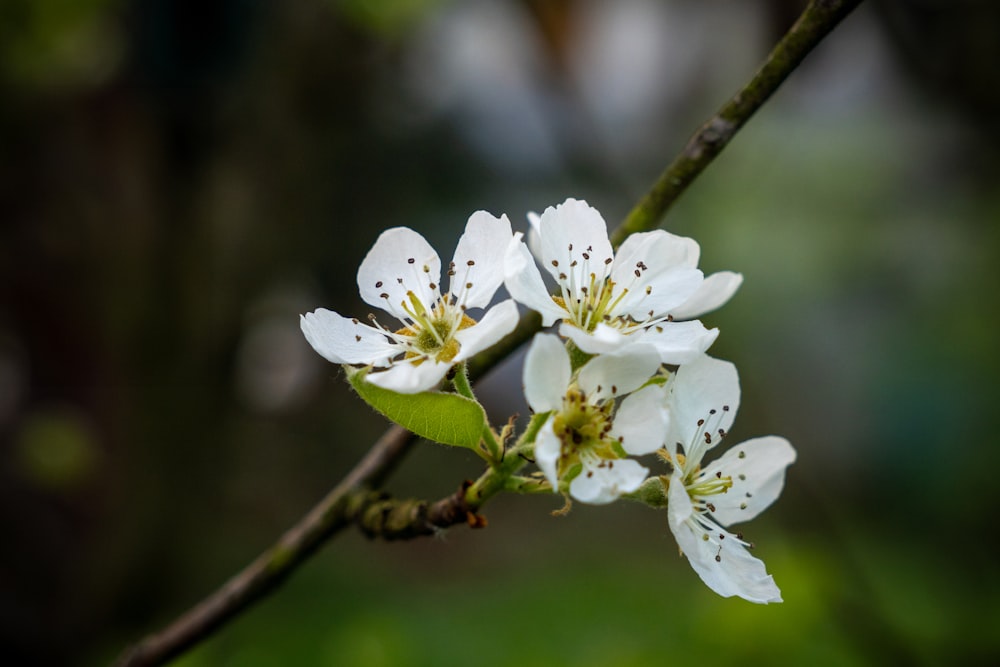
x=654, y=269
x=546, y=373
x=715, y=291
x=406, y=377
x=534, y=239
x=524, y=282
x=574, y=241
x=547, y=447
x=757, y=468
x=706, y=390
x=719, y=557
x=641, y=421
x=679, y=343
x=346, y=341
x=601, y=340
x=604, y=483
x=401, y=261
x=478, y=261
x=498, y=321
x=618, y=373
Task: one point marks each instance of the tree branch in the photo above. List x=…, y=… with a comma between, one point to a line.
x=354, y=501
x=816, y=21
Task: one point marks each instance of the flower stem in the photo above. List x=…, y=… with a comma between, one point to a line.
x=463, y=387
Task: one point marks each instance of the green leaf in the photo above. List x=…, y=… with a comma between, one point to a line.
x=446, y=418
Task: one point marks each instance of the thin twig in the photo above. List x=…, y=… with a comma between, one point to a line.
x=816, y=21
x=353, y=500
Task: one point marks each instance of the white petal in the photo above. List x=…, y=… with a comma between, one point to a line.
x=534, y=239
x=498, y=321
x=408, y=378
x=345, y=341
x=735, y=572
x=575, y=224
x=706, y=389
x=679, y=507
x=547, y=448
x=641, y=421
x=680, y=342
x=757, y=468
x=667, y=279
x=546, y=373
x=400, y=261
x=599, y=485
x=716, y=290
x=524, y=282
x=482, y=244
x=601, y=340
x=618, y=373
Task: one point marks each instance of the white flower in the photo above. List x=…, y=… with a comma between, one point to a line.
x=607, y=301
x=703, y=397
x=401, y=274
x=583, y=441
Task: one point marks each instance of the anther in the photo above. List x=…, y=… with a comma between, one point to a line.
x=384, y=295
x=742, y=454
x=357, y=338
x=471, y=262
x=411, y=260
x=608, y=260
x=378, y=284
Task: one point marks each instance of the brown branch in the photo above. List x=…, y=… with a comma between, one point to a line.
x=354, y=501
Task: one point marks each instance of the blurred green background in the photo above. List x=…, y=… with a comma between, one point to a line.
x=179, y=180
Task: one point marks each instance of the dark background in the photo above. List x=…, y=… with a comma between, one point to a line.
x=179, y=180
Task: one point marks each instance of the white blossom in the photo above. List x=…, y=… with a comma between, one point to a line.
x=584, y=441
x=401, y=275
x=606, y=301
x=702, y=400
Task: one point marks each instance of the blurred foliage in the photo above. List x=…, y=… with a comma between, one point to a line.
x=57, y=42
x=179, y=180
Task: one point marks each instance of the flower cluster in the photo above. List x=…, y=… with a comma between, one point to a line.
x=626, y=376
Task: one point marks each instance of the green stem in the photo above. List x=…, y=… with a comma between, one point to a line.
x=494, y=450
x=818, y=19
